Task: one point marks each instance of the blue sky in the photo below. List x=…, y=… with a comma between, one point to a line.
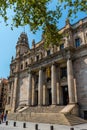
x=8, y=40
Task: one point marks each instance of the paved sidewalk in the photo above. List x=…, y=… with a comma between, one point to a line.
x=31, y=126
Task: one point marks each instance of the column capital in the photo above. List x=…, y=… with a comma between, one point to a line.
x=69, y=56
x=41, y=68
x=29, y=71
x=16, y=75
x=54, y=63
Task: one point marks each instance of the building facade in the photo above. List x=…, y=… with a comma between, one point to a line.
x=3, y=93
x=53, y=76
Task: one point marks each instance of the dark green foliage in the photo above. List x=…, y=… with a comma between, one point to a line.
x=36, y=14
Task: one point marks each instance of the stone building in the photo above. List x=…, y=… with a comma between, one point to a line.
x=3, y=93
x=53, y=77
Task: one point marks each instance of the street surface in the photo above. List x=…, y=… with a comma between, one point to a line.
x=31, y=126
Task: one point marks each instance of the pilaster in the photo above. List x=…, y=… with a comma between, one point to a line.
x=30, y=89
x=58, y=93
x=14, y=103
x=33, y=90
x=12, y=86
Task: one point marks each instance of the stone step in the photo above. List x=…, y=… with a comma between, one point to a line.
x=53, y=118
x=44, y=109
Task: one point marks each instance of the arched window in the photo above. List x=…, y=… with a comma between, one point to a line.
x=21, y=66
x=77, y=42
x=26, y=64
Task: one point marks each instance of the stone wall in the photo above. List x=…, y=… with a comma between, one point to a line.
x=23, y=94
x=80, y=72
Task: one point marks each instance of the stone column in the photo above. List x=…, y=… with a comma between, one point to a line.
x=75, y=88
x=70, y=81
x=15, y=94
x=33, y=90
x=45, y=96
x=58, y=93
x=30, y=89
x=58, y=84
x=40, y=88
x=53, y=84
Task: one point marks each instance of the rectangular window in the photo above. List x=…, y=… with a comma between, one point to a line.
x=77, y=42
x=37, y=79
x=9, y=100
x=2, y=89
x=61, y=46
x=63, y=72
x=26, y=64
x=37, y=57
x=48, y=52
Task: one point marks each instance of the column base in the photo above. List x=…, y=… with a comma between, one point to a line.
x=71, y=103
x=53, y=105
x=29, y=105
x=39, y=106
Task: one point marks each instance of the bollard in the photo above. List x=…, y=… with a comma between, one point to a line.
x=24, y=125
x=36, y=127
x=71, y=128
x=6, y=122
x=14, y=124
x=0, y=122
x=51, y=127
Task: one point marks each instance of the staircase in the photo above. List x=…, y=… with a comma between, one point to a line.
x=44, y=109
x=51, y=115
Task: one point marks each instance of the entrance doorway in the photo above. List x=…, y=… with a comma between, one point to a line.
x=65, y=95
x=85, y=115
x=36, y=98
x=49, y=96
